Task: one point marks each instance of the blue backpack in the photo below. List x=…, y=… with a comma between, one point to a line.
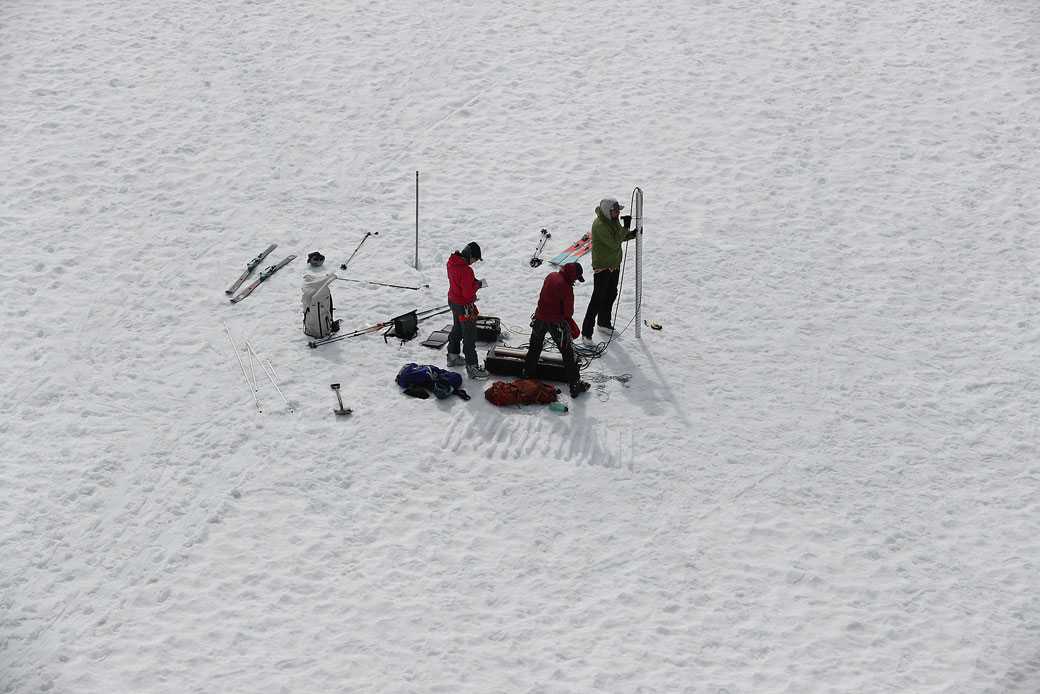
x=442, y=382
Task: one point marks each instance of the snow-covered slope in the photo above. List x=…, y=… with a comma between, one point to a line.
x=820, y=476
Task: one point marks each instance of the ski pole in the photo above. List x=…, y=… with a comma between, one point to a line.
x=252, y=374
x=336, y=338
x=419, y=315
x=252, y=391
x=264, y=367
x=271, y=367
x=363, y=239
x=382, y=284
x=431, y=312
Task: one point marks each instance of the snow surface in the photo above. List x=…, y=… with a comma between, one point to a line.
x=821, y=476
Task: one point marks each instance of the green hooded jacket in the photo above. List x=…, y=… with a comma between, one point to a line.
x=607, y=237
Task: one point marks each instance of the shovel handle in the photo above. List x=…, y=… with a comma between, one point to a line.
x=339, y=399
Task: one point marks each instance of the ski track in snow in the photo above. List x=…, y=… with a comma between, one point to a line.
x=540, y=433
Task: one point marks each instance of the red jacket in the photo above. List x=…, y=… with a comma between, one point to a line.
x=556, y=302
x=462, y=283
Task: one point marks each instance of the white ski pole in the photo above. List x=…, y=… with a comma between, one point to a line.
x=252, y=373
x=273, y=382
x=252, y=389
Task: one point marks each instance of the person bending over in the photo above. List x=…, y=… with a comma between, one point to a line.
x=554, y=315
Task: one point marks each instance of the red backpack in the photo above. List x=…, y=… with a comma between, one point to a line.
x=520, y=392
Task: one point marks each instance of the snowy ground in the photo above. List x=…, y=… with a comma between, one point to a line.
x=821, y=476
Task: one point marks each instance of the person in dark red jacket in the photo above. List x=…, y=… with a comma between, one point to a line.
x=555, y=315
x=462, y=293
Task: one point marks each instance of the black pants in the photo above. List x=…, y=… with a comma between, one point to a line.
x=562, y=337
x=604, y=292
x=464, y=332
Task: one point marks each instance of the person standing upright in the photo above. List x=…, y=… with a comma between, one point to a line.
x=607, y=236
x=462, y=295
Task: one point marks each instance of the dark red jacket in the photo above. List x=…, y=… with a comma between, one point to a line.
x=556, y=302
x=462, y=283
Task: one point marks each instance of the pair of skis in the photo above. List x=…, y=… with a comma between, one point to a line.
x=569, y=254
x=574, y=251
x=252, y=265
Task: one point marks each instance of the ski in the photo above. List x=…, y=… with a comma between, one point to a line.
x=263, y=276
x=535, y=260
x=570, y=249
x=249, y=269
x=578, y=249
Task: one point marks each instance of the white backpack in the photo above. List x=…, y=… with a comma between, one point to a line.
x=317, y=305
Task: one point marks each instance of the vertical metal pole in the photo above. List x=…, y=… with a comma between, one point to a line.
x=638, y=214
x=416, y=220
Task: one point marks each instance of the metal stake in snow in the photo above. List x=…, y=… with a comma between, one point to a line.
x=637, y=213
x=266, y=371
x=252, y=387
x=416, y=220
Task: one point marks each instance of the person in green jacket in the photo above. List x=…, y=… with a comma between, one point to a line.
x=607, y=236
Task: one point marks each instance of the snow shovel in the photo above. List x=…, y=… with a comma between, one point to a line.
x=341, y=410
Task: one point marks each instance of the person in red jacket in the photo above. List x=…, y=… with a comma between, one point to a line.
x=555, y=315
x=462, y=293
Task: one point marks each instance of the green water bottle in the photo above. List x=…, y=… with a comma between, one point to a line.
x=557, y=407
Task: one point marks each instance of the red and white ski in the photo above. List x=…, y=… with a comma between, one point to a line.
x=575, y=251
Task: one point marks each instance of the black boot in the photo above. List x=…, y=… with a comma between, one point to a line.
x=578, y=388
